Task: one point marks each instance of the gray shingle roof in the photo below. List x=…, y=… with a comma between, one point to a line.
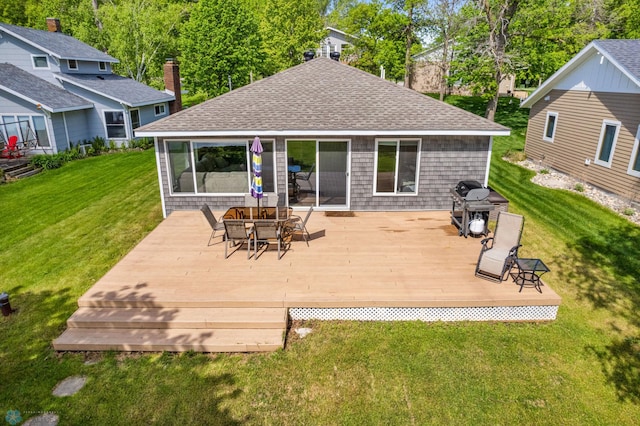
x=121, y=89
x=322, y=95
x=57, y=44
x=625, y=52
x=38, y=91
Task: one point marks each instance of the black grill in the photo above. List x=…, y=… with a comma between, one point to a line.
x=470, y=204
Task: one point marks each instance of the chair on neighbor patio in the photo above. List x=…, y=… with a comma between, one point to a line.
x=306, y=176
x=297, y=224
x=216, y=225
x=237, y=233
x=268, y=231
x=500, y=252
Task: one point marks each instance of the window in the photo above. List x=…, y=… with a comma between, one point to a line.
x=114, y=121
x=550, y=126
x=607, y=143
x=634, y=164
x=221, y=167
x=102, y=66
x=135, y=118
x=40, y=61
x=73, y=64
x=40, y=128
x=396, y=167
x=26, y=128
x=159, y=109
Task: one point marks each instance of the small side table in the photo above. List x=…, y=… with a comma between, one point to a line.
x=529, y=273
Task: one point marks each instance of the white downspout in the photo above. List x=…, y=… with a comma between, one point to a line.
x=156, y=147
x=486, y=176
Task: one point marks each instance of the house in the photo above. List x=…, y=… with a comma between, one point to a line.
x=335, y=42
x=363, y=143
x=57, y=91
x=584, y=120
x=428, y=68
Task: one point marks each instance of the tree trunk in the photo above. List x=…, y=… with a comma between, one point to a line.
x=444, y=68
x=407, y=55
x=94, y=5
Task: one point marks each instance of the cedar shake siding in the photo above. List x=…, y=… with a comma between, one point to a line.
x=578, y=128
x=444, y=161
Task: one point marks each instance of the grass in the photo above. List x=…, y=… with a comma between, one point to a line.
x=64, y=229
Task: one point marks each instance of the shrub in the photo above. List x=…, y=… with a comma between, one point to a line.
x=628, y=211
x=98, y=145
x=112, y=145
x=544, y=171
x=515, y=155
x=579, y=187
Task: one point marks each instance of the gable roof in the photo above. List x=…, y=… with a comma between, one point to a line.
x=623, y=54
x=37, y=91
x=120, y=89
x=322, y=97
x=56, y=44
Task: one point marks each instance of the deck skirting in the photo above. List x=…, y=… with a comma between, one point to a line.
x=486, y=313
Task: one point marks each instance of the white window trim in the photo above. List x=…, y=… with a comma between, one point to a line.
x=164, y=109
x=106, y=127
x=69, y=64
x=395, y=183
x=635, y=152
x=191, y=143
x=102, y=66
x=546, y=125
x=606, y=123
x=33, y=62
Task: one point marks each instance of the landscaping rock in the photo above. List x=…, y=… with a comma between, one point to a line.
x=43, y=420
x=69, y=386
x=303, y=332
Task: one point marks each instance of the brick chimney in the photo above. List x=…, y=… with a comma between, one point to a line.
x=172, y=84
x=53, y=25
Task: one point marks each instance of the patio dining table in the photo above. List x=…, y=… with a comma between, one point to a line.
x=250, y=214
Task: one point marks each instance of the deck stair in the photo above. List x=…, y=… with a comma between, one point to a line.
x=175, y=329
x=18, y=168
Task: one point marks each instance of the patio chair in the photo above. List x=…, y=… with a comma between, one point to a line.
x=216, y=225
x=499, y=252
x=306, y=176
x=11, y=149
x=267, y=231
x=297, y=224
x=237, y=233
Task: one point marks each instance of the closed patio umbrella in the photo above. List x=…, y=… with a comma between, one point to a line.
x=256, y=164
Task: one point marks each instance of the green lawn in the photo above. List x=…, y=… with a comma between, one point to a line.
x=65, y=228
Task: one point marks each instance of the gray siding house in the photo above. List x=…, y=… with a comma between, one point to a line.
x=60, y=91
x=585, y=119
x=334, y=137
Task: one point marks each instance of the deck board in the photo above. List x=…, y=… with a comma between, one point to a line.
x=408, y=259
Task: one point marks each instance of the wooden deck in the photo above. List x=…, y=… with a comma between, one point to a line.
x=390, y=260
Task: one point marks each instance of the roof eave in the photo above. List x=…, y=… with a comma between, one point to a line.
x=329, y=133
x=113, y=98
x=45, y=107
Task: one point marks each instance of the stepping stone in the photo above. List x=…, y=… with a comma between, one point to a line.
x=43, y=420
x=303, y=332
x=69, y=386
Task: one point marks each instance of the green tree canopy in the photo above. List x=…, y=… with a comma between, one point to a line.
x=219, y=42
x=289, y=28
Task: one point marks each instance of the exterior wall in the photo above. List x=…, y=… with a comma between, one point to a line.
x=578, y=128
x=444, y=161
x=18, y=53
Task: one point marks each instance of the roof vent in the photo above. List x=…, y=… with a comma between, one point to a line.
x=309, y=55
x=335, y=56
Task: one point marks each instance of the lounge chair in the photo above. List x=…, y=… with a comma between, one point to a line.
x=297, y=224
x=237, y=233
x=268, y=231
x=306, y=176
x=499, y=252
x=216, y=225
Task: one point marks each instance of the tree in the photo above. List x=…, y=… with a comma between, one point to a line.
x=444, y=25
x=141, y=34
x=380, y=41
x=415, y=22
x=220, y=43
x=289, y=28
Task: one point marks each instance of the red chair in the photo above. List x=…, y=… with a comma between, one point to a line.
x=12, y=151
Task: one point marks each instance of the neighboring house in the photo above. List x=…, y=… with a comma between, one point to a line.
x=335, y=42
x=428, y=69
x=585, y=119
x=62, y=91
x=373, y=145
